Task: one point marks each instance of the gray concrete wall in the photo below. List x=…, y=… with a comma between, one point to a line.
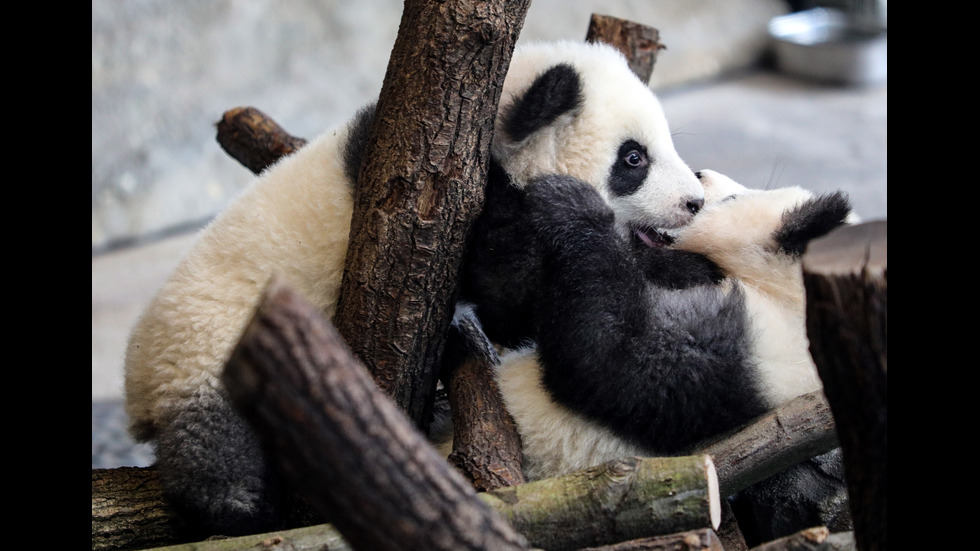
x=163, y=72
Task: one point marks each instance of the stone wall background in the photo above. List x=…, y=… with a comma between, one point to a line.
x=163, y=72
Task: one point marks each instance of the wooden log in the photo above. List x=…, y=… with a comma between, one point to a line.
x=486, y=444
x=704, y=539
x=322, y=537
x=344, y=444
x=253, y=139
x=619, y=500
x=817, y=538
x=128, y=511
x=729, y=532
x=846, y=278
x=726, y=453
x=639, y=43
x=798, y=430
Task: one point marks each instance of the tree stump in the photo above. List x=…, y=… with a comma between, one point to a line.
x=846, y=279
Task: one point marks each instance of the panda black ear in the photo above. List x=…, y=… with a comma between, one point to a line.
x=812, y=219
x=554, y=93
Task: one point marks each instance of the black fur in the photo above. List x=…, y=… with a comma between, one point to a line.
x=360, y=128
x=664, y=368
x=214, y=473
x=810, y=220
x=554, y=93
x=502, y=266
x=630, y=170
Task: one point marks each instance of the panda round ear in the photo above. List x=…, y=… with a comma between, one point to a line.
x=812, y=219
x=554, y=93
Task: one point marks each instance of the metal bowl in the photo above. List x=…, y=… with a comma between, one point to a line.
x=825, y=44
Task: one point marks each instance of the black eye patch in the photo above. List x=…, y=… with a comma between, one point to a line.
x=629, y=171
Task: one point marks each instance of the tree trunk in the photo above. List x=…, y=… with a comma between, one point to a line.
x=846, y=279
x=417, y=199
x=350, y=451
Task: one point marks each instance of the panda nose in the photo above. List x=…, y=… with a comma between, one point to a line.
x=695, y=205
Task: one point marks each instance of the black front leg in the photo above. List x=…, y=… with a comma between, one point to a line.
x=662, y=367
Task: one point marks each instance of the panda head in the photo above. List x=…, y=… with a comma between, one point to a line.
x=759, y=235
x=577, y=109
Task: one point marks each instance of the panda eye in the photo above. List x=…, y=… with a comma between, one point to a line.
x=635, y=158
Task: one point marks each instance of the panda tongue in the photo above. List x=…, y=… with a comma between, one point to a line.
x=653, y=242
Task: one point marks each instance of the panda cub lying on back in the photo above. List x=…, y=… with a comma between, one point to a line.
x=632, y=358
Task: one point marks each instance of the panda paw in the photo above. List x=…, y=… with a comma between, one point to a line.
x=565, y=206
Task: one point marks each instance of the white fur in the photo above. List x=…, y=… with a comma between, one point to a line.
x=737, y=234
x=617, y=106
x=555, y=439
x=293, y=220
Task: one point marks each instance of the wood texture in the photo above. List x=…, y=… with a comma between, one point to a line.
x=416, y=202
x=639, y=43
x=128, y=510
x=846, y=278
x=486, y=444
x=794, y=432
x=253, y=139
x=704, y=539
x=619, y=500
x=350, y=450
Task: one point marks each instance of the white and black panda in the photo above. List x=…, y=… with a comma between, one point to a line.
x=631, y=357
x=567, y=107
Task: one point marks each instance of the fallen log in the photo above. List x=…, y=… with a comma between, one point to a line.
x=704, y=539
x=351, y=452
x=817, y=538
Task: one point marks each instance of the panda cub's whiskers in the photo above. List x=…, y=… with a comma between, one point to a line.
x=651, y=237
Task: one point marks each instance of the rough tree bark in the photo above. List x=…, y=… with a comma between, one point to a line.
x=798, y=430
x=486, y=444
x=760, y=442
x=619, y=500
x=253, y=139
x=126, y=502
x=639, y=43
x=846, y=279
x=415, y=203
x=345, y=445
x=817, y=538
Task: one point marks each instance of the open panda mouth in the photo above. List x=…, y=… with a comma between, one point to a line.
x=651, y=237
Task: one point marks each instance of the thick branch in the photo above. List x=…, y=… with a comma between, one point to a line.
x=846, y=279
x=619, y=500
x=352, y=453
x=794, y=432
x=253, y=139
x=486, y=444
x=639, y=43
x=416, y=201
x=785, y=434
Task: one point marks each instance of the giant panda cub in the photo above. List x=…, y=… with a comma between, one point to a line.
x=631, y=359
x=567, y=107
